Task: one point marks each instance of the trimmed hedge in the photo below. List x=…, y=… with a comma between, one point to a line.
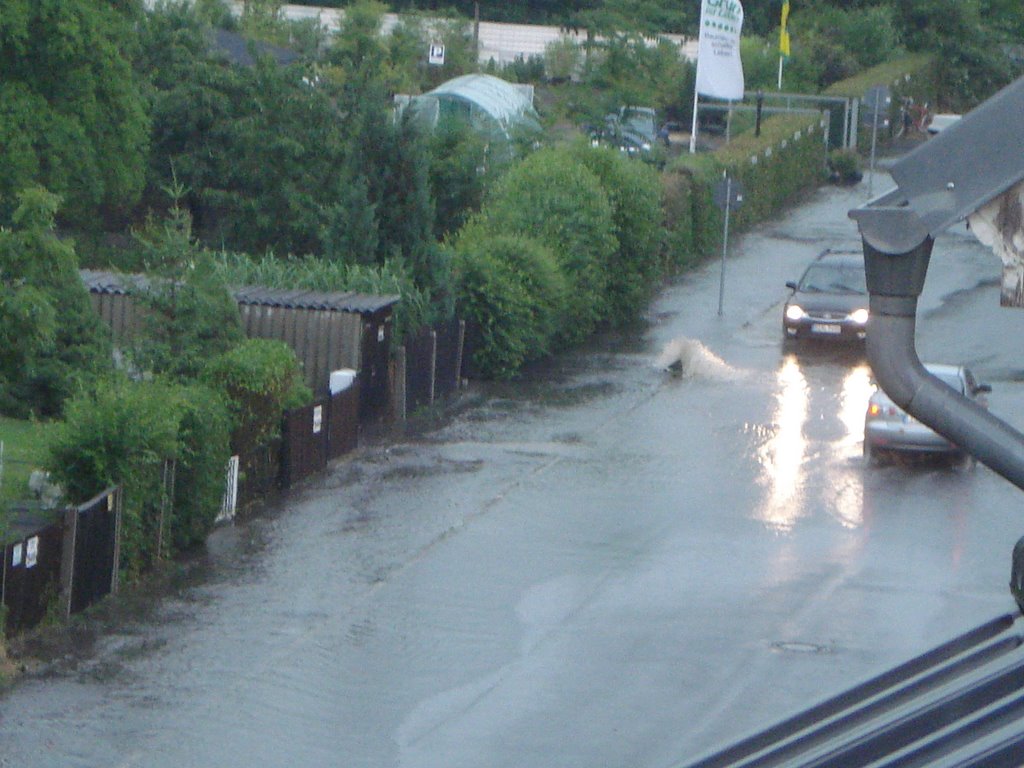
x=553, y=198
x=775, y=169
x=634, y=194
x=513, y=296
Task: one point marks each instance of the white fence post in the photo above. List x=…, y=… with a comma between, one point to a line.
x=230, y=500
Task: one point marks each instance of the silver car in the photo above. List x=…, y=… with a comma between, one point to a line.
x=890, y=429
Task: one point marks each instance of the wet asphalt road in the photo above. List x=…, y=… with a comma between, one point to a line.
x=601, y=565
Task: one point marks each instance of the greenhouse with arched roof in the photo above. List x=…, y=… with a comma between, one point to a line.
x=492, y=106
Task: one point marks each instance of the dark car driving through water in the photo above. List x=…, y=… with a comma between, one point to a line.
x=830, y=301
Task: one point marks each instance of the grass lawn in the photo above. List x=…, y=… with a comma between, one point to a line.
x=23, y=451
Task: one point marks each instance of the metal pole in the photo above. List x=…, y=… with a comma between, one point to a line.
x=693, y=128
x=476, y=32
x=874, y=138
x=725, y=240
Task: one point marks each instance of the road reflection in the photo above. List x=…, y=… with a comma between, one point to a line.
x=847, y=498
x=781, y=458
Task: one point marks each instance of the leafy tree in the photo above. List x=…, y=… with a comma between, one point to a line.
x=189, y=313
x=551, y=197
x=408, y=44
x=351, y=232
x=459, y=174
x=971, y=64
x=72, y=118
x=52, y=339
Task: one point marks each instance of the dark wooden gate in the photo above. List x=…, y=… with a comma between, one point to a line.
x=343, y=422
x=96, y=533
x=31, y=577
x=304, y=442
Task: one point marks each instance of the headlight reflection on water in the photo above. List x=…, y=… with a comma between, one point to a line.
x=782, y=456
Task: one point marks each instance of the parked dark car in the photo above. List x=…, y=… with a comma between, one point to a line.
x=830, y=301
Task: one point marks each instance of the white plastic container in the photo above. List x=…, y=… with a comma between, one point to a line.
x=341, y=380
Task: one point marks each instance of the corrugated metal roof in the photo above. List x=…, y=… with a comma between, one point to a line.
x=111, y=282
x=337, y=301
x=959, y=704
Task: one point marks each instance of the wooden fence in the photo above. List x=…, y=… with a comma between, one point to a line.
x=63, y=566
x=433, y=363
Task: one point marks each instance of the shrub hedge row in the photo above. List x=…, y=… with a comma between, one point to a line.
x=129, y=432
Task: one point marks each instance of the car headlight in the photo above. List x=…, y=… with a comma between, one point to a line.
x=794, y=312
x=859, y=316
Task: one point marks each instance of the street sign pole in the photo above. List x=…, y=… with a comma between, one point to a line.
x=727, y=194
x=725, y=242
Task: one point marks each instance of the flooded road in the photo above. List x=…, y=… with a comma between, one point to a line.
x=602, y=565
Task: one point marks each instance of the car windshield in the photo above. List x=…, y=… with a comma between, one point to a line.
x=833, y=278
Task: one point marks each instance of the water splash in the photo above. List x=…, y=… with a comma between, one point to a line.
x=691, y=359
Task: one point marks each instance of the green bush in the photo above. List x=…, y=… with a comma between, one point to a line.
x=677, y=217
x=512, y=295
x=260, y=378
x=204, y=431
x=634, y=194
x=51, y=339
x=844, y=165
x=123, y=433
x=552, y=197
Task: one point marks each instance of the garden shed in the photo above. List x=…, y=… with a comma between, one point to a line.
x=328, y=330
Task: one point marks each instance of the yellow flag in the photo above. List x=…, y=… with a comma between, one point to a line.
x=783, y=32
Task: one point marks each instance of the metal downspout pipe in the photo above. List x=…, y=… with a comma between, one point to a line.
x=896, y=254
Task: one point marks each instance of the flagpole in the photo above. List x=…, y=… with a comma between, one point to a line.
x=781, y=59
x=696, y=79
x=693, y=128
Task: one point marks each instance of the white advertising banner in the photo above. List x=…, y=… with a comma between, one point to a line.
x=719, y=69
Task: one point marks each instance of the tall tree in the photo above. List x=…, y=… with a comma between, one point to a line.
x=51, y=339
x=72, y=118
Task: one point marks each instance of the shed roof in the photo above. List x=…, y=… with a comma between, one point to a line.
x=338, y=301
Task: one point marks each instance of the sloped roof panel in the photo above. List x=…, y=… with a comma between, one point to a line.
x=506, y=103
x=337, y=301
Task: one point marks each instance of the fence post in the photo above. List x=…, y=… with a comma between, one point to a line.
x=166, y=499
x=458, y=354
x=229, y=502
x=433, y=363
x=67, y=561
x=114, y=503
x=398, y=384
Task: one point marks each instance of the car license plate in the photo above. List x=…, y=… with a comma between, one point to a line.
x=826, y=328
